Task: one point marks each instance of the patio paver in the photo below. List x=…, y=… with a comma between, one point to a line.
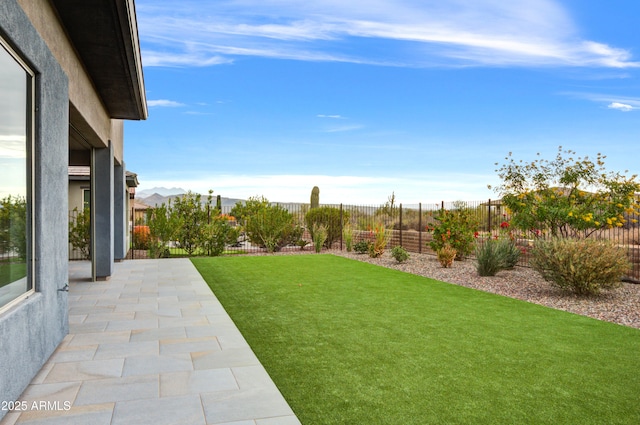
x=153, y=346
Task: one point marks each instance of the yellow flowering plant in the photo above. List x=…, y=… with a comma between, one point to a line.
x=552, y=196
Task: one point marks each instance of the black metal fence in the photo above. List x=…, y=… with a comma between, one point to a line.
x=409, y=226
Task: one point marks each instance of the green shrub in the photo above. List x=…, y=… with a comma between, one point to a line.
x=400, y=254
x=330, y=218
x=362, y=247
x=216, y=235
x=319, y=237
x=584, y=266
x=271, y=227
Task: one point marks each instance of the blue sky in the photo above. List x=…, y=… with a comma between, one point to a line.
x=365, y=98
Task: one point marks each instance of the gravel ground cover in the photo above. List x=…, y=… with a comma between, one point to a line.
x=621, y=306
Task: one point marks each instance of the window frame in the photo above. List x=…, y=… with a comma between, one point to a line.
x=30, y=125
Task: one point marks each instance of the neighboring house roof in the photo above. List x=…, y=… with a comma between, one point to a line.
x=137, y=205
x=132, y=179
x=105, y=35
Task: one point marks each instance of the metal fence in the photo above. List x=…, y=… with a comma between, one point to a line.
x=409, y=225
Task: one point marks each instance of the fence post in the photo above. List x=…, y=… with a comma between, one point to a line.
x=420, y=228
x=341, y=225
x=489, y=216
x=400, y=225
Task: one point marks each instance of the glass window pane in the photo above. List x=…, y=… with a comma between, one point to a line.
x=14, y=163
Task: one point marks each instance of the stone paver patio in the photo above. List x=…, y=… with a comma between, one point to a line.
x=152, y=345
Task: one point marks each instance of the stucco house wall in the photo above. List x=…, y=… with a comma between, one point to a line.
x=32, y=329
x=76, y=120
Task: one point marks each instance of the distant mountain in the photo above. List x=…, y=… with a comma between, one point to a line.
x=162, y=191
x=156, y=200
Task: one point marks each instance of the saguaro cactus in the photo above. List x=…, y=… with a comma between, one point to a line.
x=315, y=197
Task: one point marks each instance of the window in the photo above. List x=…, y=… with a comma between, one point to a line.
x=86, y=199
x=15, y=180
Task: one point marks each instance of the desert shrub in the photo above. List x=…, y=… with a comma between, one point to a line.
x=400, y=254
x=381, y=238
x=361, y=247
x=584, y=266
x=330, y=218
x=446, y=254
x=455, y=227
x=319, y=237
x=347, y=235
x=511, y=253
x=80, y=232
x=495, y=255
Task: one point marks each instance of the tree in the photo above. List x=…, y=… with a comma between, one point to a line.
x=566, y=196
x=191, y=216
x=389, y=210
x=162, y=228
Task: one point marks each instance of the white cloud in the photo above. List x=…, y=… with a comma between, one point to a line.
x=625, y=104
x=342, y=128
x=164, y=103
x=620, y=106
x=13, y=146
x=450, y=33
x=337, y=117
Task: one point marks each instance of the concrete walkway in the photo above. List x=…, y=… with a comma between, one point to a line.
x=150, y=346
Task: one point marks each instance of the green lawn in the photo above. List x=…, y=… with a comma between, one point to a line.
x=10, y=272
x=352, y=343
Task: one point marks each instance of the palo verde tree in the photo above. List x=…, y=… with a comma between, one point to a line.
x=567, y=196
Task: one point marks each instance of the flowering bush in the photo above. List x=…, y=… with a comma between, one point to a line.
x=455, y=228
x=548, y=196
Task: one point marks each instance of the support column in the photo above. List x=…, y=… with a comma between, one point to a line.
x=120, y=227
x=102, y=184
